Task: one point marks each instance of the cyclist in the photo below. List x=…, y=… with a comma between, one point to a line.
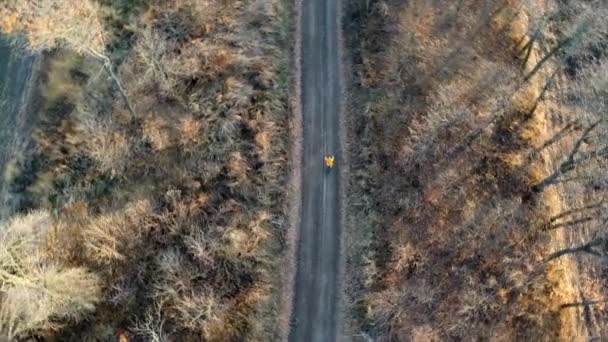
x=329, y=161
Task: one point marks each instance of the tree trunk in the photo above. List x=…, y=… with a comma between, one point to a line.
x=551, y=53
x=529, y=47
x=580, y=31
x=122, y=91
x=541, y=97
x=107, y=63
x=577, y=210
x=586, y=248
x=583, y=303
x=569, y=164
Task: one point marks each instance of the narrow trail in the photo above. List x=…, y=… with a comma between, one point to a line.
x=314, y=315
x=18, y=77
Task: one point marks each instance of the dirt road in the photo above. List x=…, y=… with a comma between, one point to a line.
x=18, y=71
x=314, y=311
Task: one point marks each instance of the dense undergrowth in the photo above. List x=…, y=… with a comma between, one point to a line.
x=158, y=175
x=468, y=127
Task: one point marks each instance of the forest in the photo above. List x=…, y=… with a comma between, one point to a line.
x=476, y=201
x=151, y=204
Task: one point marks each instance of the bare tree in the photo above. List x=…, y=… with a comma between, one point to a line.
x=587, y=29
x=564, y=43
x=151, y=327
x=585, y=303
x=571, y=161
x=598, y=246
x=34, y=289
x=586, y=159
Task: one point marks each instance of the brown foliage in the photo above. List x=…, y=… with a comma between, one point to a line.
x=448, y=145
x=45, y=23
x=39, y=292
x=176, y=206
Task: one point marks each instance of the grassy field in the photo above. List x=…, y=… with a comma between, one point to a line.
x=474, y=139
x=158, y=183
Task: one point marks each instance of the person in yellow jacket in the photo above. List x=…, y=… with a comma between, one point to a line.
x=329, y=161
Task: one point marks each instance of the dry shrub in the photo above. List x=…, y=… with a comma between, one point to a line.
x=108, y=238
x=406, y=258
x=103, y=236
x=246, y=240
x=238, y=167
x=106, y=145
x=198, y=309
x=111, y=151
x=424, y=333
x=264, y=143
x=151, y=326
x=38, y=293
x=226, y=254
x=44, y=183
x=189, y=131
x=156, y=133
x=150, y=51
x=59, y=84
x=44, y=22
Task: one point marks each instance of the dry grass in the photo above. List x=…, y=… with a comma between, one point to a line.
x=38, y=20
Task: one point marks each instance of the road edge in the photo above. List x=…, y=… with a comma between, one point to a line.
x=349, y=329
x=344, y=133
x=295, y=175
x=344, y=329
